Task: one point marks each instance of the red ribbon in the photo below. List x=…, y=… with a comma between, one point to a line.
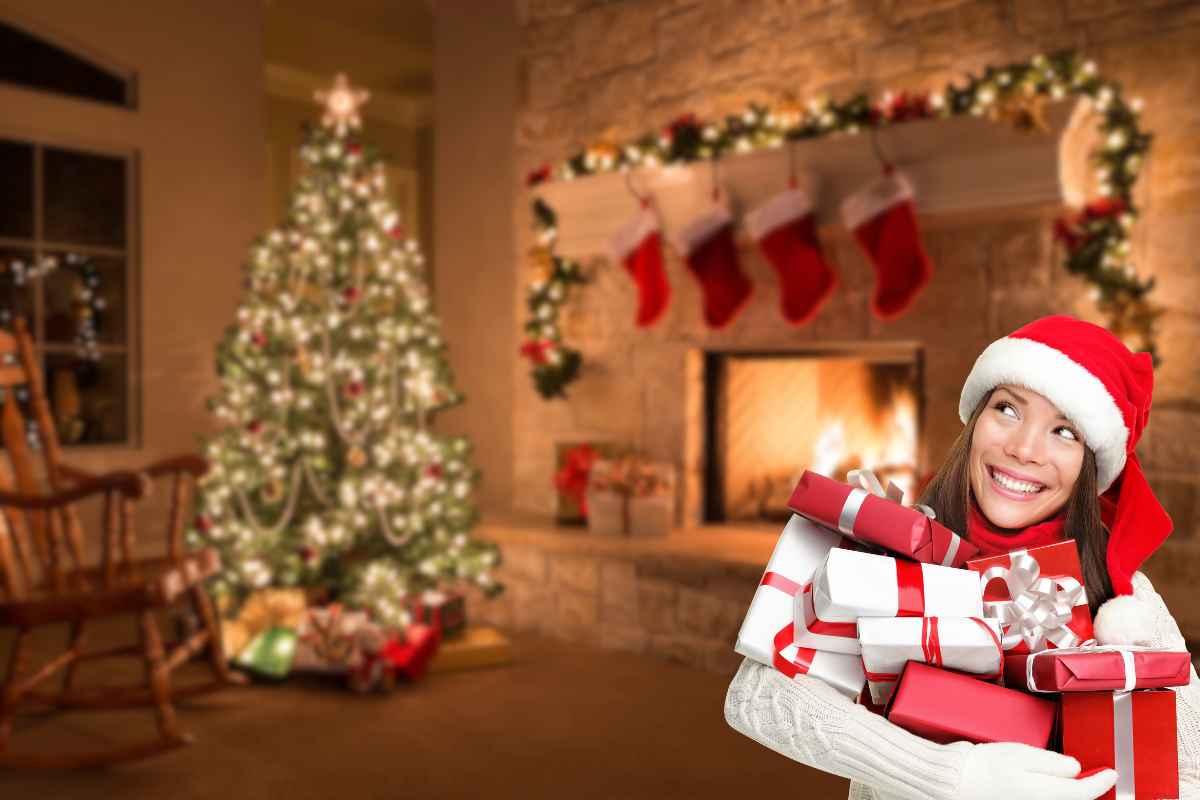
x=931, y=642
x=572, y=479
x=786, y=636
x=931, y=650
x=910, y=586
x=848, y=630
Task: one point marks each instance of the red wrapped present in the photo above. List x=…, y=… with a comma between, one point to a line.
x=768, y=633
x=851, y=584
x=875, y=516
x=945, y=706
x=1096, y=669
x=1131, y=732
x=444, y=610
x=967, y=644
x=1038, y=596
x=410, y=657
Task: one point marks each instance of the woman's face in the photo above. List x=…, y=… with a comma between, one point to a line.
x=1025, y=458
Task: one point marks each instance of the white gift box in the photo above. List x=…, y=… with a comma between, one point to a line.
x=967, y=644
x=606, y=513
x=768, y=632
x=851, y=584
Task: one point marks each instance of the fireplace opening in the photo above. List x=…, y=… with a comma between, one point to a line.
x=769, y=416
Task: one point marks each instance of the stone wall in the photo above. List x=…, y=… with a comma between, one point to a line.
x=594, y=70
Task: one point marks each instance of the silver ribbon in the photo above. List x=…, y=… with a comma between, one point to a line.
x=1040, y=608
x=1123, y=745
x=870, y=484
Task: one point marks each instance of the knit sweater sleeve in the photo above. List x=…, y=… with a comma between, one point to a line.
x=810, y=722
x=1165, y=633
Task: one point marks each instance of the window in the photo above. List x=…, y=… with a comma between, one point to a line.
x=32, y=62
x=67, y=266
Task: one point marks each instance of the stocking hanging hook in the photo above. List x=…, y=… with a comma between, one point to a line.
x=884, y=161
x=643, y=199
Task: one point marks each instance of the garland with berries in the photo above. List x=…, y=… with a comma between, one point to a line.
x=1095, y=238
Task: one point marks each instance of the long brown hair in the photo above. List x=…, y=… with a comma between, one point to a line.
x=949, y=495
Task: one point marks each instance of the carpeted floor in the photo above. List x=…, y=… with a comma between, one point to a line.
x=565, y=721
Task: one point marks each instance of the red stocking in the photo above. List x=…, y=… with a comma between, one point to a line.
x=638, y=246
x=707, y=246
x=884, y=222
x=785, y=230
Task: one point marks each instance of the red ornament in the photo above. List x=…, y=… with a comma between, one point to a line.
x=259, y=338
x=539, y=175
x=354, y=388
x=434, y=471
x=351, y=294
x=398, y=232
x=254, y=425
x=905, y=106
x=537, y=350
x=355, y=148
x=308, y=554
x=203, y=523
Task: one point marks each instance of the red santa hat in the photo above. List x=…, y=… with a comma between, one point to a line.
x=1105, y=390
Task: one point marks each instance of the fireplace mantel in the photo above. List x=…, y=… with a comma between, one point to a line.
x=959, y=164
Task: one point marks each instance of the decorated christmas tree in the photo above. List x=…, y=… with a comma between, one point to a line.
x=326, y=472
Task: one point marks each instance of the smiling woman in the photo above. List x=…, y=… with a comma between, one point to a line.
x=1052, y=414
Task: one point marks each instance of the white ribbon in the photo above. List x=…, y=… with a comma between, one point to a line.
x=1040, y=608
x=1123, y=745
x=870, y=484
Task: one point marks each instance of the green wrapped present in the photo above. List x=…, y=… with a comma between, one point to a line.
x=270, y=653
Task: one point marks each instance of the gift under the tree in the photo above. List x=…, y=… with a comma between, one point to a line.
x=411, y=655
x=1037, y=595
x=946, y=706
x=768, y=632
x=1131, y=732
x=263, y=610
x=333, y=639
x=271, y=653
x=869, y=513
x=1098, y=668
x=850, y=584
x=444, y=610
x=967, y=644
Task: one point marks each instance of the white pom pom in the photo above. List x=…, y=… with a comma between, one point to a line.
x=1125, y=620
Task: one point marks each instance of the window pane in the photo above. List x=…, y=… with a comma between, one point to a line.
x=29, y=61
x=16, y=293
x=87, y=398
x=84, y=198
x=85, y=301
x=16, y=190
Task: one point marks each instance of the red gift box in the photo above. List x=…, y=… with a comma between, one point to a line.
x=878, y=520
x=1131, y=732
x=1038, y=596
x=410, y=657
x=945, y=706
x=1096, y=669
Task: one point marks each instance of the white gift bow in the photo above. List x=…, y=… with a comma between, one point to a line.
x=1040, y=608
x=869, y=483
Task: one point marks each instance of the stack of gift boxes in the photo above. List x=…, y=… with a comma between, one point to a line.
x=897, y=612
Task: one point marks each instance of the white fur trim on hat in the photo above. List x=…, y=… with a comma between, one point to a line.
x=701, y=228
x=630, y=235
x=1125, y=620
x=781, y=209
x=887, y=191
x=1079, y=395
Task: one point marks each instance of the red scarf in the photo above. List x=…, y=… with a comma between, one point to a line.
x=993, y=541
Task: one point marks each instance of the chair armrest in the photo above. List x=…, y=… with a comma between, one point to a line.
x=132, y=485
x=73, y=474
x=189, y=462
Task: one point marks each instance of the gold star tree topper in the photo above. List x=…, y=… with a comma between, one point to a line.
x=341, y=104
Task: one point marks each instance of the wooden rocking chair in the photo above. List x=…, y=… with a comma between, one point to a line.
x=46, y=579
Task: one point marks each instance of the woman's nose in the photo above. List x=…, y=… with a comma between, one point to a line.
x=1025, y=444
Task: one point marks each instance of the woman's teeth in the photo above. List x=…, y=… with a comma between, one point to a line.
x=1014, y=485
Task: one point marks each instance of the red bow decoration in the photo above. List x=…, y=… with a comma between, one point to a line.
x=537, y=350
x=1071, y=230
x=539, y=175
x=572, y=479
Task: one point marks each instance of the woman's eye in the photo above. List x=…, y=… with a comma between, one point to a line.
x=1070, y=434
x=1005, y=408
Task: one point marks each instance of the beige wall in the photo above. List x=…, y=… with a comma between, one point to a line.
x=475, y=85
x=198, y=133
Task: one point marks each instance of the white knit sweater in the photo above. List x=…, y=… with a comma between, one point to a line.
x=809, y=721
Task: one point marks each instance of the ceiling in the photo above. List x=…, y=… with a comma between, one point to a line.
x=385, y=45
